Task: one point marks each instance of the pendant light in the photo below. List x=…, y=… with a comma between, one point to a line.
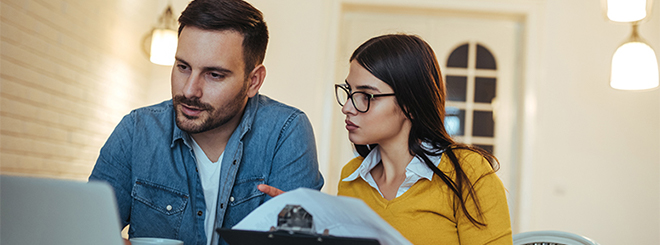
x=627, y=10
x=634, y=63
x=164, y=38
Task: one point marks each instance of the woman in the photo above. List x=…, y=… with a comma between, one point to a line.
x=431, y=189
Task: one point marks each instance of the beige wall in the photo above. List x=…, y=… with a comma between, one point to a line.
x=70, y=69
x=596, y=162
x=590, y=155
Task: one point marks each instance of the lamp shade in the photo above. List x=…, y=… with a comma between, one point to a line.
x=634, y=67
x=163, y=46
x=627, y=10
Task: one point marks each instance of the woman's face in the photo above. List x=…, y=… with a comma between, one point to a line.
x=384, y=122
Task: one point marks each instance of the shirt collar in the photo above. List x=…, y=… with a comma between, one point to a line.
x=415, y=170
x=369, y=162
x=245, y=125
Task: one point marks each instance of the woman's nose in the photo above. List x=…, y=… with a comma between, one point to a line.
x=348, y=108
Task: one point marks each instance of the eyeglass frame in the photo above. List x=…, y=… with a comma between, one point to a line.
x=350, y=96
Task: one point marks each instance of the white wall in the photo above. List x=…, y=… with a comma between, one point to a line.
x=596, y=163
x=299, y=63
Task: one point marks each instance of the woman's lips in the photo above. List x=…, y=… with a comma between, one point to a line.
x=350, y=125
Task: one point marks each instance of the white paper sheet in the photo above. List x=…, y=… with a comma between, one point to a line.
x=342, y=216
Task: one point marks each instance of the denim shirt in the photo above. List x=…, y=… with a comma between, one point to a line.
x=150, y=164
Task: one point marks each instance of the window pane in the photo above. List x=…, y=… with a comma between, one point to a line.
x=458, y=57
x=484, y=89
x=483, y=124
x=485, y=59
x=456, y=88
x=454, y=121
x=488, y=148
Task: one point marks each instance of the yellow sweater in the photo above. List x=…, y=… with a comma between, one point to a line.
x=425, y=214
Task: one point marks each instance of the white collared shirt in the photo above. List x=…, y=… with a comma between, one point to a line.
x=415, y=171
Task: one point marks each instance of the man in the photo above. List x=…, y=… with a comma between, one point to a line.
x=186, y=166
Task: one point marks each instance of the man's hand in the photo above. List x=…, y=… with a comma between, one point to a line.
x=269, y=190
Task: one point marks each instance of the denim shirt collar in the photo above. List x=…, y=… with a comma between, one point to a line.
x=243, y=127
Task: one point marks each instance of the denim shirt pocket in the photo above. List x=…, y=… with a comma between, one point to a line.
x=157, y=210
x=245, y=189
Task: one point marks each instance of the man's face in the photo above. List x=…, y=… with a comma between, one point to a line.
x=209, y=87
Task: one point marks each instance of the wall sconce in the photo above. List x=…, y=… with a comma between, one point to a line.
x=634, y=63
x=164, y=38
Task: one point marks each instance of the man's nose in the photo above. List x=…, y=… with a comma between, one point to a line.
x=194, y=87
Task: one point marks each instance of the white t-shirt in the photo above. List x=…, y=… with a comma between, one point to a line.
x=209, y=175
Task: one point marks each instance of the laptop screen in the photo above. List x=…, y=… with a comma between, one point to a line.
x=51, y=211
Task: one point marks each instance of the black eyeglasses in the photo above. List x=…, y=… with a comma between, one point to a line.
x=361, y=100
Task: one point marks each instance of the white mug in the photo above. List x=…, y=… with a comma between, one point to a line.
x=154, y=241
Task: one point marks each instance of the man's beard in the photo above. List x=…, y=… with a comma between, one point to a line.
x=216, y=117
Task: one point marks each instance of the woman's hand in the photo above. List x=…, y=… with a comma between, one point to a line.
x=269, y=190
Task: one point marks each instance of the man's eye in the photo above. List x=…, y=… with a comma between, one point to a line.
x=215, y=75
x=182, y=67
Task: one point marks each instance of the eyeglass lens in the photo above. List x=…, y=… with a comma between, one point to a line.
x=341, y=94
x=360, y=100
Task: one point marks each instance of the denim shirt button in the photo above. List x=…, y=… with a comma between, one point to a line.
x=231, y=199
x=169, y=207
x=234, y=162
x=199, y=213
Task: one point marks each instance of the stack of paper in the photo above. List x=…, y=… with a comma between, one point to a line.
x=342, y=216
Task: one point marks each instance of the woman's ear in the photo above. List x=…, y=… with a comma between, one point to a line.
x=407, y=113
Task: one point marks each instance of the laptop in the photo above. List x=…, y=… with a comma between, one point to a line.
x=51, y=211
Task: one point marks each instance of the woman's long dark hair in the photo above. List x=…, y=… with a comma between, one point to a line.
x=408, y=65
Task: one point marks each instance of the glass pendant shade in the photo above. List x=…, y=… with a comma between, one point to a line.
x=163, y=46
x=627, y=10
x=162, y=40
x=634, y=67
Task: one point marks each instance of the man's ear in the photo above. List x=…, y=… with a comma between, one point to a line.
x=255, y=80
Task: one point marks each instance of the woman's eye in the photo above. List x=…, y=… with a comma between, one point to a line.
x=362, y=97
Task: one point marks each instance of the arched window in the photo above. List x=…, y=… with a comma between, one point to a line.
x=471, y=81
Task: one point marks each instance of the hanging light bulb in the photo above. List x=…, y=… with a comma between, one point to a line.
x=163, y=46
x=627, y=10
x=164, y=39
x=634, y=65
